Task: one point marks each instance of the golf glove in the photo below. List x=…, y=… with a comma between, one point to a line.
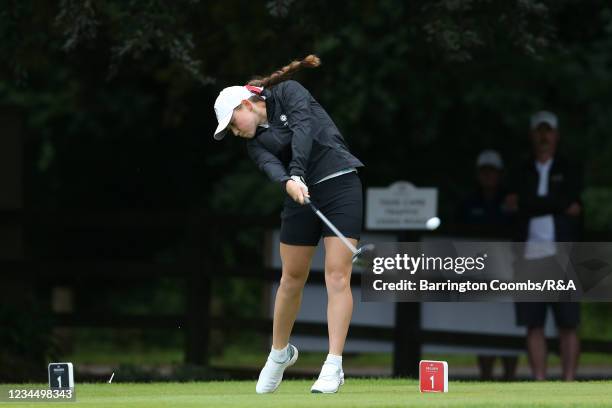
x=301, y=183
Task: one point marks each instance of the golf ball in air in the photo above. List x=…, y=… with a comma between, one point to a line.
x=432, y=223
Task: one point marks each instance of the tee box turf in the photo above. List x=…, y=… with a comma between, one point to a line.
x=433, y=376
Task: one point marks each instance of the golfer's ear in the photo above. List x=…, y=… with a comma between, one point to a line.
x=247, y=104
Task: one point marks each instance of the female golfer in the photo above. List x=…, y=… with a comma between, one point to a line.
x=293, y=140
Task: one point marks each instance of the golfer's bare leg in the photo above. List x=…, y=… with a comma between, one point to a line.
x=536, y=348
x=569, y=346
x=296, y=265
x=338, y=267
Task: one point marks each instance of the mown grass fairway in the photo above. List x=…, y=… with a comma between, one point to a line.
x=355, y=393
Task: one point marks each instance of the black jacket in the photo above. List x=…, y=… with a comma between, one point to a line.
x=564, y=188
x=301, y=140
x=476, y=210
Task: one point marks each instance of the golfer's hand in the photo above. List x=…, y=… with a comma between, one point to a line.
x=297, y=191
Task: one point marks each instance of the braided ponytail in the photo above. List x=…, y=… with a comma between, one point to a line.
x=311, y=61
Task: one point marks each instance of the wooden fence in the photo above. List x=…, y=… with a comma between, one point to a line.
x=198, y=265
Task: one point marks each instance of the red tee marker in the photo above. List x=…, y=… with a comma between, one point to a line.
x=433, y=376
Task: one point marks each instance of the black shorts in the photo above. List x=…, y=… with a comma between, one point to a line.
x=340, y=199
x=533, y=314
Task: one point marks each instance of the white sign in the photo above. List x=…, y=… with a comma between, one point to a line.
x=61, y=375
x=401, y=206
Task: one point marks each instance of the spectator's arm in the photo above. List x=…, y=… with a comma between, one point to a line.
x=561, y=201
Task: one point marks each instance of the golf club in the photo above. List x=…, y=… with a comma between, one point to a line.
x=361, y=253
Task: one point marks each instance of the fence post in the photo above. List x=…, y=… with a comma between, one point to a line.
x=198, y=292
x=407, y=339
x=407, y=336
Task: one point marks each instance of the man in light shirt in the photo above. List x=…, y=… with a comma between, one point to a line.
x=546, y=195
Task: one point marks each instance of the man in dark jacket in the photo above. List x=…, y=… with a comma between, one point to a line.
x=484, y=208
x=546, y=194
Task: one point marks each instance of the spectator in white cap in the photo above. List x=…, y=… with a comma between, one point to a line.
x=483, y=212
x=484, y=205
x=546, y=192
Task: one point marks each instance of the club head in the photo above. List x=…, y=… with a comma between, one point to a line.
x=364, y=255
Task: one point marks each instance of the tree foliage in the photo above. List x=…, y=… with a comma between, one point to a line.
x=118, y=94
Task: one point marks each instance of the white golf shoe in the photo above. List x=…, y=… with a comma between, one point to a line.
x=271, y=375
x=330, y=379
